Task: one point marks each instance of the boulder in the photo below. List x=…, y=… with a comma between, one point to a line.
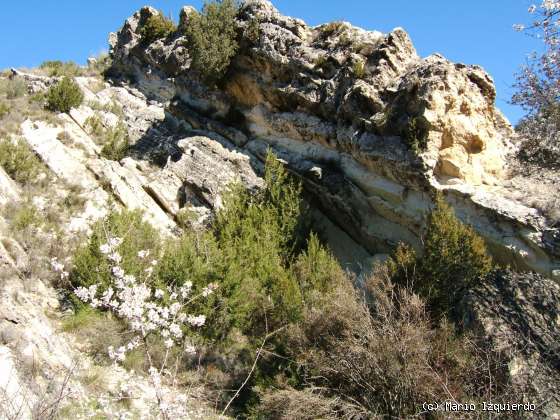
x=518, y=316
x=35, y=83
x=9, y=190
x=184, y=14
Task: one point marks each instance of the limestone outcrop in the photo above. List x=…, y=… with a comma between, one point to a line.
x=43, y=367
x=372, y=129
x=9, y=191
x=374, y=132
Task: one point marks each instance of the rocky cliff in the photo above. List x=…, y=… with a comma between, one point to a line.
x=372, y=129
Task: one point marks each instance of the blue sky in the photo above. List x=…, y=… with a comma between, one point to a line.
x=473, y=32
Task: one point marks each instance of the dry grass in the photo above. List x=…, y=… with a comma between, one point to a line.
x=37, y=402
x=4, y=110
x=12, y=88
x=96, y=85
x=95, y=380
x=97, y=331
x=380, y=357
x=37, y=223
x=332, y=28
x=57, y=68
x=65, y=138
x=22, y=108
x=19, y=162
x=305, y=405
x=113, y=107
x=115, y=141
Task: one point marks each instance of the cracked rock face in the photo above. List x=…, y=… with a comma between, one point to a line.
x=518, y=315
x=342, y=107
x=171, y=167
x=345, y=108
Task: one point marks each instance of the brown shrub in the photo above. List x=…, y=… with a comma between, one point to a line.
x=380, y=358
x=97, y=330
x=304, y=405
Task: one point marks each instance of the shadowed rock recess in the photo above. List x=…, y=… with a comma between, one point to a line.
x=372, y=129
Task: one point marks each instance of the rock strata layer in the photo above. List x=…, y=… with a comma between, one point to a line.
x=372, y=129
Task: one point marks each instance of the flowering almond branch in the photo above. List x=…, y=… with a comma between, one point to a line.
x=162, y=313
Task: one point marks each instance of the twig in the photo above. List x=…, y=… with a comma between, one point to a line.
x=259, y=351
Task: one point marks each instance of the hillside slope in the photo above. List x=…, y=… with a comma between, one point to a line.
x=375, y=134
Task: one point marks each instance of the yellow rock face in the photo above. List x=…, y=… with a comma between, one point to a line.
x=468, y=137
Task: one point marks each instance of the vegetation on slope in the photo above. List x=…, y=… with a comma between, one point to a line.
x=19, y=162
x=453, y=259
x=64, y=96
x=537, y=91
x=285, y=326
x=156, y=27
x=114, y=140
x=286, y=330
x=212, y=39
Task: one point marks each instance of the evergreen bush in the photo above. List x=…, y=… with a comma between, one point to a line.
x=64, y=96
x=157, y=27
x=212, y=39
x=454, y=257
x=416, y=135
x=19, y=162
x=115, y=142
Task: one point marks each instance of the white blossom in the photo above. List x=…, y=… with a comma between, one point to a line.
x=133, y=344
x=115, y=257
x=175, y=329
x=107, y=295
x=129, y=279
x=56, y=266
x=143, y=254
x=174, y=308
x=132, y=299
x=208, y=290
x=118, y=272
x=537, y=88
x=86, y=294
x=196, y=321
x=551, y=5
x=118, y=354
x=185, y=290
x=155, y=376
x=105, y=249
x=115, y=242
